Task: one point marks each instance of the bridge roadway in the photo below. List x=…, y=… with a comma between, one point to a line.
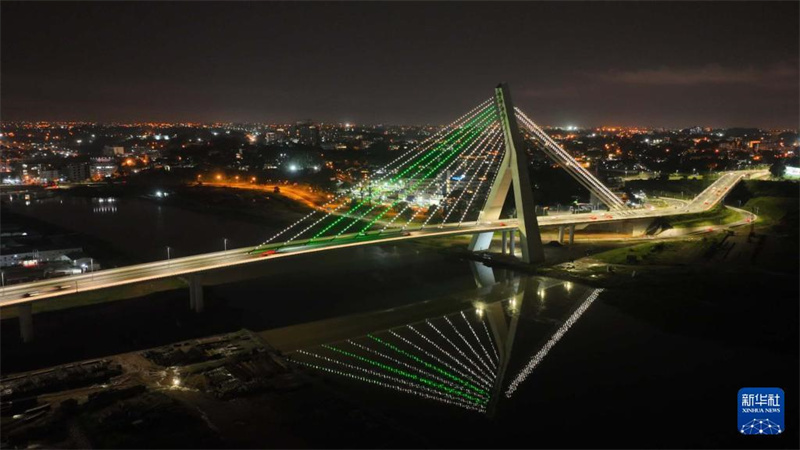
x=46, y=289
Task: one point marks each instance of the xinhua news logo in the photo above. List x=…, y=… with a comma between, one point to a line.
x=761, y=411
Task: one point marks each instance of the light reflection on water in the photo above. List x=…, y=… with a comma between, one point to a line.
x=466, y=358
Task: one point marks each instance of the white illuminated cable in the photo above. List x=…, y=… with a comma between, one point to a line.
x=453, y=399
x=414, y=368
x=472, y=178
x=473, y=149
x=479, y=378
x=422, y=167
x=477, y=190
x=419, y=149
x=489, y=134
x=542, y=353
x=389, y=386
x=464, y=316
x=461, y=374
x=487, y=376
x=447, y=154
x=568, y=162
x=472, y=349
x=442, y=173
x=491, y=341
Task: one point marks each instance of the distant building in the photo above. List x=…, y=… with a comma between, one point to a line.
x=76, y=172
x=113, y=151
x=102, y=167
x=49, y=175
x=307, y=133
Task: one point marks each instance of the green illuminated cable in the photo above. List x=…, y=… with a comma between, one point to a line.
x=429, y=365
x=447, y=158
x=423, y=380
x=480, y=120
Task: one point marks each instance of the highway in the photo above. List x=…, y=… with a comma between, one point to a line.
x=51, y=288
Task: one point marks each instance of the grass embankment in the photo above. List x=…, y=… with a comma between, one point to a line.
x=100, y=296
x=719, y=215
x=773, y=211
x=661, y=253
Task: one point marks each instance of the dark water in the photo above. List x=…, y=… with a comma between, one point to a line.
x=611, y=379
x=141, y=229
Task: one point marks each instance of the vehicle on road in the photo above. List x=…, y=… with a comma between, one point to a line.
x=268, y=253
x=31, y=294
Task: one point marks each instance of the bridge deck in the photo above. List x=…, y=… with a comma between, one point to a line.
x=47, y=289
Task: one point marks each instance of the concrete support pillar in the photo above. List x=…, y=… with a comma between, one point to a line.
x=561, y=234
x=25, y=311
x=195, y=293
x=571, y=234
x=511, y=242
x=504, y=242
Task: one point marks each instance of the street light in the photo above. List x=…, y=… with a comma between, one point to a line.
x=91, y=263
x=168, y=256
x=225, y=244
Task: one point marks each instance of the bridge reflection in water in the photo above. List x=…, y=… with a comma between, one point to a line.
x=465, y=358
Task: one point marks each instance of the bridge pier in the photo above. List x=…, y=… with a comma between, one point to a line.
x=504, y=242
x=25, y=311
x=196, y=293
x=571, y=234
x=561, y=234
x=511, y=243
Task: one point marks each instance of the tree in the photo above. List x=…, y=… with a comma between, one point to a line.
x=777, y=169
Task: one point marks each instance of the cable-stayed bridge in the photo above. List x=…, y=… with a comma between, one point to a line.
x=454, y=182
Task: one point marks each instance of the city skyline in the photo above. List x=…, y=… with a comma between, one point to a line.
x=690, y=65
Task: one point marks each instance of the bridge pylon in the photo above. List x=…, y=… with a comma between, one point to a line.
x=513, y=170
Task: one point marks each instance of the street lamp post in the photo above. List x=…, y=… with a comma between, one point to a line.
x=168, y=256
x=91, y=264
x=3, y=280
x=225, y=244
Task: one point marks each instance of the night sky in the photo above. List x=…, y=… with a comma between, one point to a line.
x=587, y=64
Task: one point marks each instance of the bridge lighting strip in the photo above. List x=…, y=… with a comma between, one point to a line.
x=464, y=316
x=489, y=377
x=408, y=375
x=480, y=379
x=477, y=190
x=571, y=166
x=433, y=357
x=486, y=143
x=491, y=341
x=540, y=355
x=472, y=178
x=501, y=150
x=480, y=358
x=565, y=157
x=569, y=163
x=460, y=132
x=447, y=157
x=476, y=151
x=411, y=386
x=456, y=134
x=409, y=366
x=389, y=386
x=355, y=221
x=441, y=183
x=475, y=146
x=430, y=366
x=419, y=149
